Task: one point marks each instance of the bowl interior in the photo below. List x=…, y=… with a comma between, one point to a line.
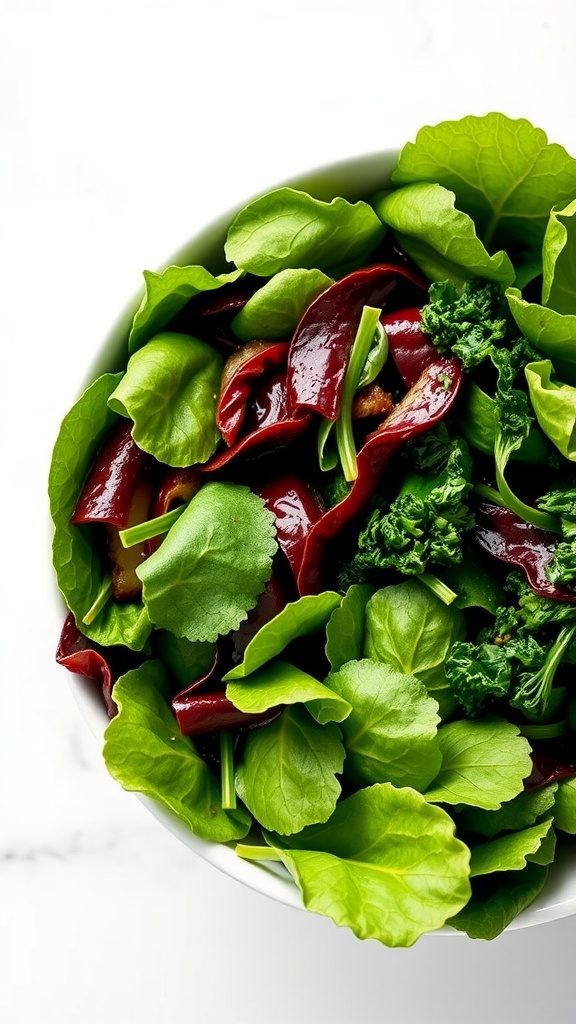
x=353, y=179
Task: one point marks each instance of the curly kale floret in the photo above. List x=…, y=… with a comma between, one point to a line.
x=468, y=323
x=424, y=525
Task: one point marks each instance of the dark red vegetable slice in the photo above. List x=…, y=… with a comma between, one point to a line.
x=507, y=537
x=296, y=508
x=102, y=665
x=427, y=402
x=209, y=712
x=410, y=348
x=242, y=371
x=321, y=345
x=107, y=493
x=550, y=766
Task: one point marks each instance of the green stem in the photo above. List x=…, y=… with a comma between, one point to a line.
x=440, y=589
x=248, y=852
x=101, y=599
x=490, y=494
x=549, y=731
x=151, y=528
x=544, y=521
x=358, y=355
x=227, y=770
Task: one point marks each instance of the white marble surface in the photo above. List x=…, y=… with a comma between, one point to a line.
x=124, y=126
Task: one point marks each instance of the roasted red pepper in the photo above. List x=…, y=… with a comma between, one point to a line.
x=506, y=536
x=107, y=493
x=321, y=345
x=410, y=348
x=241, y=375
x=424, y=405
x=102, y=665
x=296, y=508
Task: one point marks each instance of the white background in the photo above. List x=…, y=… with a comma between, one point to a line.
x=124, y=126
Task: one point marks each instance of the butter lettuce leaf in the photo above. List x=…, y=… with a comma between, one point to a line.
x=441, y=239
x=345, y=627
x=484, y=763
x=552, y=333
x=391, y=732
x=280, y=683
x=504, y=173
x=565, y=806
x=386, y=864
x=307, y=615
x=287, y=229
x=497, y=899
x=554, y=405
x=509, y=852
x=526, y=809
x=212, y=565
x=274, y=311
x=79, y=551
x=146, y=753
x=287, y=776
x=170, y=390
x=559, y=260
x=166, y=294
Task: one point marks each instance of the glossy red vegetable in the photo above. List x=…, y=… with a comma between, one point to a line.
x=424, y=405
x=410, y=348
x=550, y=766
x=107, y=493
x=102, y=665
x=296, y=508
x=506, y=536
x=240, y=378
x=321, y=345
x=209, y=712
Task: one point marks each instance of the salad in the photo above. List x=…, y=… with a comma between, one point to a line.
x=317, y=536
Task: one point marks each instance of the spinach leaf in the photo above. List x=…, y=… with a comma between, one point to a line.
x=79, y=551
x=307, y=615
x=170, y=390
x=484, y=763
x=526, y=809
x=559, y=260
x=509, y=852
x=497, y=899
x=410, y=629
x=280, y=683
x=554, y=404
x=288, y=229
x=440, y=239
x=186, y=661
x=565, y=806
x=552, y=333
x=146, y=753
x=504, y=173
x=383, y=865
x=212, y=565
x=166, y=294
x=274, y=311
x=345, y=627
x=287, y=777
x=390, y=734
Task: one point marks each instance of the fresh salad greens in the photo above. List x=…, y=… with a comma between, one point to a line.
x=317, y=539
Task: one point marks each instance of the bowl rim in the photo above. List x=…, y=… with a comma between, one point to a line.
x=363, y=175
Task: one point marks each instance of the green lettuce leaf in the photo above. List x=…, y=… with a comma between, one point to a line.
x=79, y=551
x=289, y=229
x=383, y=865
x=166, y=294
x=440, y=239
x=146, y=753
x=186, y=661
x=484, y=763
x=554, y=405
x=510, y=852
x=287, y=777
x=345, y=627
x=280, y=683
x=170, y=390
x=410, y=629
x=565, y=806
x=552, y=333
x=391, y=732
x=274, y=311
x=212, y=565
x=559, y=260
x=307, y=615
x=504, y=173
x=498, y=899
x=523, y=810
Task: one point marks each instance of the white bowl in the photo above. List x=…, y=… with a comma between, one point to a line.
x=353, y=179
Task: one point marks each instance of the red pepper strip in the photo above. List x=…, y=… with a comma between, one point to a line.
x=241, y=370
x=107, y=493
x=321, y=344
x=86, y=658
x=424, y=405
x=229, y=298
x=177, y=486
x=509, y=538
x=410, y=348
x=210, y=712
x=296, y=507
x=549, y=767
